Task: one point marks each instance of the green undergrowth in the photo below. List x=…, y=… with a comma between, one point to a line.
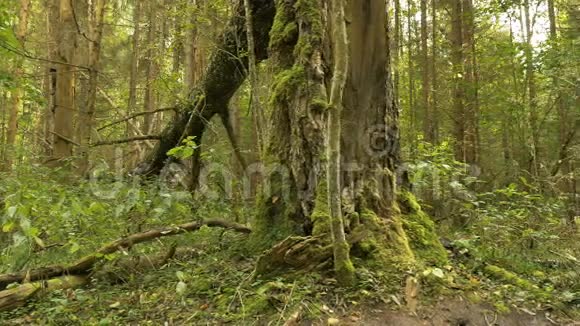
x=215, y=284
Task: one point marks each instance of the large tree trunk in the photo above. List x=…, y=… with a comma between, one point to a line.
x=224, y=75
x=295, y=199
x=297, y=203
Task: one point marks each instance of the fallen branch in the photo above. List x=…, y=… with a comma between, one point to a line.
x=133, y=116
x=18, y=296
x=126, y=140
x=84, y=265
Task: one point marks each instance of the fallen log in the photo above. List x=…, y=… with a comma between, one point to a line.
x=120, y=272
x=84, y=265
x=18, y=296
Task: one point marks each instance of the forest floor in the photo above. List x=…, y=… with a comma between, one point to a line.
x=212, y=284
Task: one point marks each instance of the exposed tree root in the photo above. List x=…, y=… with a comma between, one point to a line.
x=302, y=254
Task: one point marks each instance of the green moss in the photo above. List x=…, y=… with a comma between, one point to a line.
x=421, y=231
x=308, y=12
x=344, y=268
x=319, y=104
x=408, y=201
x=386, y=245
x=286, y=83
x=257, y=305
x=321, y=215
x=509, y=277
x=274, y=219
x=284, y=28
x=501, y=307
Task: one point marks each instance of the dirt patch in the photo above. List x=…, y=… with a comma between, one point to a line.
x=457, y=312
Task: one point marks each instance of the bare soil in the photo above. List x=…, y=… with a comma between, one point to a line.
x=457, y=312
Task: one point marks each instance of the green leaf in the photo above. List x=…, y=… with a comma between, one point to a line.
x=11, y=211
x=8, y=227
x=74, y=248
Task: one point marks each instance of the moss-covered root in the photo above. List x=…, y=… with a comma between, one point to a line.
x=343, y=267
x=506, y=276
x=421, y=231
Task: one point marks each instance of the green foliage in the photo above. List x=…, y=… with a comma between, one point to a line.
x=73, y=220
x=185, y=150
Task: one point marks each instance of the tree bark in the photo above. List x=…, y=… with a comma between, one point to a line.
x=298, y=204
x=95, y=35
x=531, y=92
x=134, y=71
x=434, y=79
x=255, y=106
x=426, y=78
x=552, y=18
x=151, y=67
x=397, y=43
x=471, y=135
x=343, y=267
x=17, y=93
x=412, y=110
x=64, y=111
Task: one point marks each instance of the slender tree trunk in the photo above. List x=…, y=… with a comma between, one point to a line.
x=342, y=265
x=17, y=93
x=434, y=79
x=397, y=49
x=255, y=105
x=52, y=8
x=411, y=75
x=96, y=16
x=457, y=58
x=471, y=135
x=150, y=96
x=552, y=18
x=426, y=78
x=134, y=79
x=3, y=154
x=65, y=107
x=533, y=142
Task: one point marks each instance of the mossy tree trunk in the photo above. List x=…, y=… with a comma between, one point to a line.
x=295, y=201
x=301, y=46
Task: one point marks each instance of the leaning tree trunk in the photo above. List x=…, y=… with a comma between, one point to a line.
x=225, y=73
x=297, y=202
